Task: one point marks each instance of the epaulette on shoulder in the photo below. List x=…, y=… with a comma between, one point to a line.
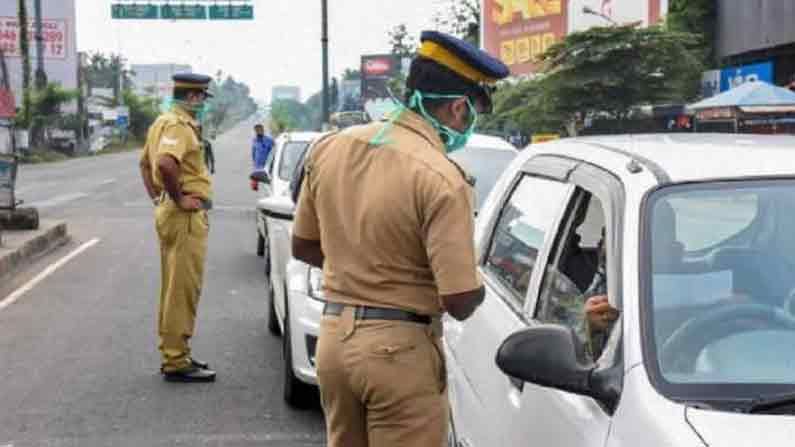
x=471, y=180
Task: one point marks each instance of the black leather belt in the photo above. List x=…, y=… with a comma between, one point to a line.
x=377, y=313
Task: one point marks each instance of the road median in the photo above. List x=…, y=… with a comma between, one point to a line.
x=22, y=247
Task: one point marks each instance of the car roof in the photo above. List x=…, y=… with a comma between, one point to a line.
x=300, y=136
x=686, y=157
x=489, y=141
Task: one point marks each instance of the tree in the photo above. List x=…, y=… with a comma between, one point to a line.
x=288, y=114
x=351, y=74
x=460, y=18
x=143, y=112
x=108, y=72
x=24, y=49
x=402, y=44
x=698, y=17
x=610, y=70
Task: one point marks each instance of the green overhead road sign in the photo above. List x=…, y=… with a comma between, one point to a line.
x=231, y=12
x=118, y=11
x=182, y=11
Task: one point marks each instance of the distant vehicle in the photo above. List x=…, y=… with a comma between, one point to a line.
x=700, y=263
x=296, y=306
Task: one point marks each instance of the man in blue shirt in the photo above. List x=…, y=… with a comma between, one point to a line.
x=261, y=147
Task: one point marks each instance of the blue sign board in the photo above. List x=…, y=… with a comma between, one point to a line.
x=122, y=121
x=735, y=76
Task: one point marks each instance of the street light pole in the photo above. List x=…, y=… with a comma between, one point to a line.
x=589, y=10
x=41, y=75
x=324, y=42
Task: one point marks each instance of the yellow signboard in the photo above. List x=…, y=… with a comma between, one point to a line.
x=544, y=137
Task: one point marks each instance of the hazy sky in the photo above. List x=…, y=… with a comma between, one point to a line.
x=280, y=46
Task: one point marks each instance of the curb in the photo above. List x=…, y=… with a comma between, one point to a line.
x=50, y=239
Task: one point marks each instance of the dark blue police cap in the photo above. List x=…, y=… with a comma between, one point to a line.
x=194, y=81
x=462, y=57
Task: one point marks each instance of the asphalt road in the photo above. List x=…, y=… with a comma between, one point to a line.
x=78, y=358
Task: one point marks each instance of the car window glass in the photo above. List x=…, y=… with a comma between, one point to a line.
x=291, y=154
x=696, y=223
x=723, y=314
x=574, y=274
x=519, y=234
x=486, y=165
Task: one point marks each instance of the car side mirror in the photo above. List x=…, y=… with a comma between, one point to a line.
x=261, y=176
x=551, y=355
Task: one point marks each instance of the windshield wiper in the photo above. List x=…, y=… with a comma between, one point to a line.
x=772, y=402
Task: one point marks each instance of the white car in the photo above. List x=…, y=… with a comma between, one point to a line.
x=700, y=262
x=288, y=149
x=297, y=302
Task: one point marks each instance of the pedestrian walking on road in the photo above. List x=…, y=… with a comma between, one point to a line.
x=176, y=178
x=260, y=151
x=389, y=217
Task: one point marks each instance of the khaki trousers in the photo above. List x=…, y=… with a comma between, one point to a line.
x=382, y=383
x=183, y=248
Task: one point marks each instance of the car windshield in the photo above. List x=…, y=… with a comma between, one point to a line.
x=291, y=155
x=485, y=164
x=720, y=288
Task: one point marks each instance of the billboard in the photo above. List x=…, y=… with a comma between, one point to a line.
x=60, y=42
x=584, y=14
x=517, y=32
x=736, y=76
x=377, y=70
x=350, y=96
x=54, y=33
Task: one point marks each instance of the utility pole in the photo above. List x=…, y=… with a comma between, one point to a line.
x=324, y=41
x=41, y=75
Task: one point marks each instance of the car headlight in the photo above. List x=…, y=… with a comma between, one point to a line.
x=315, y=283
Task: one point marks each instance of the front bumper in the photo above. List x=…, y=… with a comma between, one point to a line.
x=305, y=315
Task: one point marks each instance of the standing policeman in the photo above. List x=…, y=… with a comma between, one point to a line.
x=176, y=178
x=390, y=219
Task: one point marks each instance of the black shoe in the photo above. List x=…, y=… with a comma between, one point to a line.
x=199, y=364
x=190, y=374
x=195, y=363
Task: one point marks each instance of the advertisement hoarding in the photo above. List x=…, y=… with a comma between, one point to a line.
x=377, y=70
x=710, y=83
x=517, y=32
x=60, y=43
x=55, y=33
x=584, y=14
x=736, y=76
x=350, y=96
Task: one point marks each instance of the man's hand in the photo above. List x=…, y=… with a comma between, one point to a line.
x=462, y=305
x=599, y=312
x=190, y=203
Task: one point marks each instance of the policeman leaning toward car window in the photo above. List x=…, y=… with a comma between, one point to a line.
x=390, y=219
x=176, y=178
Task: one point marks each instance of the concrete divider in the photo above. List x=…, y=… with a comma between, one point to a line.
x=20, y=248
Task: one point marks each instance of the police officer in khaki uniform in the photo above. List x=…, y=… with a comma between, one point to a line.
x=175, y=175
x=389, y=217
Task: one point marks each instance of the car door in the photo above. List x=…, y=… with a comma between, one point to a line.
x=548, y=416
x=280, y=211
x=483, y=398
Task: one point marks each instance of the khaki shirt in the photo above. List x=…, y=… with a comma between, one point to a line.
x=176, y=133
x=395, y=221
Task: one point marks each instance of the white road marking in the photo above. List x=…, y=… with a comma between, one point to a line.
x=57, y=200
x=17, y=294
x=108, y=182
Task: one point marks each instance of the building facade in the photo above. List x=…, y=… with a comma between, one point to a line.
x=156, y=79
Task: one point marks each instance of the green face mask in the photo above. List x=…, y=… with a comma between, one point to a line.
x=199, y=110
x=453, y=139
